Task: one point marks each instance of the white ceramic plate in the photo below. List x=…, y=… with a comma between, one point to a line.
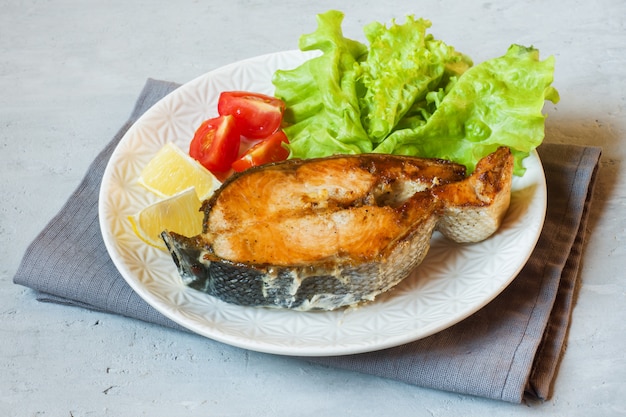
x=453, y=282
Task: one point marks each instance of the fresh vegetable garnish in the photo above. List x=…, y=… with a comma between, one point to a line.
x=216, y=143
x=268, y=150
x=257, y=115
x=411, y=94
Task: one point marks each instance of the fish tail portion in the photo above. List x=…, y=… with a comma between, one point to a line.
x=475, y=207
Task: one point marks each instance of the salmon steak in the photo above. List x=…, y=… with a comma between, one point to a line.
x=320, y=234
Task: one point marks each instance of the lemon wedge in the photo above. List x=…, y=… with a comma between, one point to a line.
x=172, y=171
x=179, y=213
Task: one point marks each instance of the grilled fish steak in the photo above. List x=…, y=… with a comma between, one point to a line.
x=325, y=233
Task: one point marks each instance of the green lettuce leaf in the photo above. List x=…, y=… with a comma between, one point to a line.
x=402, y=66
x=322, y=106
x=496, y=103
x=409, y=93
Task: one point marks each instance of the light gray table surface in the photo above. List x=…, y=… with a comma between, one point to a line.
x=69, y=75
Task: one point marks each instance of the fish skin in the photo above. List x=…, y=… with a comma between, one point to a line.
x=248, y=254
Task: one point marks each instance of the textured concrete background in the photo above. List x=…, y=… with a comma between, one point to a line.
x=69, y=74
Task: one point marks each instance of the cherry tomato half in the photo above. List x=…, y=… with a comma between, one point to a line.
x=257, y=115
x=216, y=143
x=266, y=151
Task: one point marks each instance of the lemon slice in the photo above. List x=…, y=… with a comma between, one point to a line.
x=179, y=213
x=172, y=171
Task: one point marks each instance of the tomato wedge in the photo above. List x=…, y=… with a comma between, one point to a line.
x=216, y=143
x=266, y=151
x=257, y=115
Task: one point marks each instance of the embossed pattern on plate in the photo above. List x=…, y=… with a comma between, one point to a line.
x=453, y=282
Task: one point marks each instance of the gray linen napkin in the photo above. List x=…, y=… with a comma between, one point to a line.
x=508, y=350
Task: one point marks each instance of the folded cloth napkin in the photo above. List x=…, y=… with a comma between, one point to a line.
x=508, y=350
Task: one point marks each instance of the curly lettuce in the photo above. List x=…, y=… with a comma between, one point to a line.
x=322, y=106
x=402, y=66
x=411, y=94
